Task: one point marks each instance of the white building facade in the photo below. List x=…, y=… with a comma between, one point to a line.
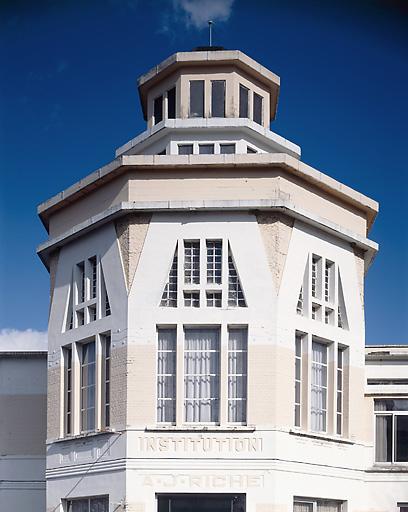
x=206, y=331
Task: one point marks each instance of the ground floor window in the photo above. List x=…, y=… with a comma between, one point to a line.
x=403, y=507
x=201, y=503
x=94, y=504
x=316, y=505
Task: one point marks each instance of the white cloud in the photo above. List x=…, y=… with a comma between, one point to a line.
x=196, y=13
x=14, y=340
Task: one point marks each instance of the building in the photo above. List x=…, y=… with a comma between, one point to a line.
x=23, y=402
x=206, y=332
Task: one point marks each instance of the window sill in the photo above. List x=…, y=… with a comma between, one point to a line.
x=321, y=437
x=389, y=467
x=83, y=435
x=200, y=428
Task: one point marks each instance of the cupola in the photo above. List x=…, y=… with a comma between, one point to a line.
x=209, y=82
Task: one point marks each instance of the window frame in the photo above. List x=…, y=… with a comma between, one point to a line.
x=391, y=414
x=201, y=113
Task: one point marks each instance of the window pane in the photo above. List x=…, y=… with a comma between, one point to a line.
x=401, y=444
x=258, y=101
x=383, y=438
x=218, y=98
x=391, y=404
x=214, y=261
x=237, y=374
x=166, y=375
x=185, y=149
x=302, y=507
x=243, y=101
x=227, y=149
x=191, y=262
x=201, y=375
x=197, y=98
x=206, y=149
x=158, y=109
x=319, y=387
x=171, y=103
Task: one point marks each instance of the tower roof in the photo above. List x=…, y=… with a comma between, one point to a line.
x=211, y=58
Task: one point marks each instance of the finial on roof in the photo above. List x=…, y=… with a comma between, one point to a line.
x=210, y=32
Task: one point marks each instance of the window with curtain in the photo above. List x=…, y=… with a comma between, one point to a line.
x=94, y=504
x=319, y=387
x=88, y=386
x=166, y=375
x=391, y=430
x=237, y=374
x=316, y=505
x=202, y=375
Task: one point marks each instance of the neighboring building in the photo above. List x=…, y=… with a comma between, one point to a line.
x=206, y=332
x=23, y=402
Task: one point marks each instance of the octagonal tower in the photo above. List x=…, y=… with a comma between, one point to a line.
x=207, y=311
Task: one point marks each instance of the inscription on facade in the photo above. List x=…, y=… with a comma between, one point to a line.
x=213, y=481
x=201, y=444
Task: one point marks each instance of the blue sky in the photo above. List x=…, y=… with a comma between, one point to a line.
x=68, y=98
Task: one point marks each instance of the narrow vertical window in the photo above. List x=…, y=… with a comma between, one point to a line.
x=67, y=355
x=299, y=306
x=106, y=380
x=214, y=261
x=166, y=376
x=88, y=386
x=93, y=277
x=81, y=282
x=191, y=262
x=298, y=379
x=315, y=276
x=258, y=107
x=171, y=103
x=106, y=308
x=328, y=281
x=319, y=387
x=243, y=101
x=218, y=98
x=340, y=391
x=169, y=297
x=158, y=109
x=196, y=98
x=202, y=375
x=237, y=375
x=235, y=293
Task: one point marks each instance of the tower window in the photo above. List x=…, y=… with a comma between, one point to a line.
x=158, y=109
x=88, y=386
x=206, y=149
x=185, y=149
x=227, y=149
x=243, y=101
x=197, y=98
x=218, y=98
x=258, y=104
x=171, y=103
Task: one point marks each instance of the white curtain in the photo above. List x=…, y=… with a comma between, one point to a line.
x=237, y=375
x=319, y=387
x=201, y=375
x=166, y=375
x=302, y=507
x=328, y=506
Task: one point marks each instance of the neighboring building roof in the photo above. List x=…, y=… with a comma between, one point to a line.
x=13, y=341
x=201, y=58
x=380, y=352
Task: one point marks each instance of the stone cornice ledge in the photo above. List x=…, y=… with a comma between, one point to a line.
x=169, y=162
x=281, y=204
